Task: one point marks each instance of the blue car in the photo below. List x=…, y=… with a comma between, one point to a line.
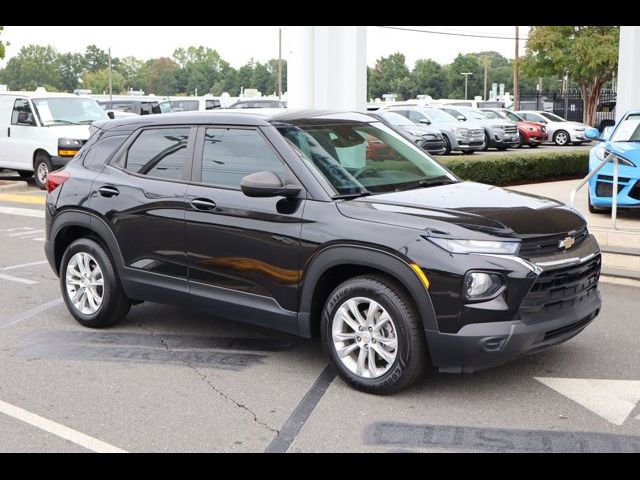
x=624, y=142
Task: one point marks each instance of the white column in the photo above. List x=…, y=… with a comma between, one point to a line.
x=327, y=67
x=628, y=97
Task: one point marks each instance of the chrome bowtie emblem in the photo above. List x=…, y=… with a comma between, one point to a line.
x=567, y=243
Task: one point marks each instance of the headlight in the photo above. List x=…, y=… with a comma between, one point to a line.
x=603, y=152
x=531, y=129
x=482, y=285
x=462, y=131
x=477, y=246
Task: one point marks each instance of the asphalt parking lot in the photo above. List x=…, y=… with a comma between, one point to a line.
x=173, y=380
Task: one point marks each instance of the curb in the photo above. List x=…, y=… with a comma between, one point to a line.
x=13, y=186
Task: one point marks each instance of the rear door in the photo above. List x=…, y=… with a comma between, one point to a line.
x=243, y=252
x=141, y=195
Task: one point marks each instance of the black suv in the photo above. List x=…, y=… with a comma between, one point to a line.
x=318, y=223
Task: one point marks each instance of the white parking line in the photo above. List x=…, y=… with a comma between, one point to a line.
x=25, y=212
x=31, y=313
x=29, y=233
x=23, y=265
x=61, y=431
x=16, y=279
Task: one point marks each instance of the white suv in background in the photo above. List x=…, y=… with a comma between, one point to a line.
x=561, y=131
x=41, y=132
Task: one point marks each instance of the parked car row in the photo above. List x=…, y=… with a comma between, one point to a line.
x=467, y=129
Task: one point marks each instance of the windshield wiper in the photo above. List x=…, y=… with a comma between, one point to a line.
x=67, y=122
x=433, y=182
x=349, y=196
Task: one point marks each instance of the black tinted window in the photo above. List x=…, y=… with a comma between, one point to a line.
x=97, y=157
x=211, y=104
x=159, y=153
x=231, y=154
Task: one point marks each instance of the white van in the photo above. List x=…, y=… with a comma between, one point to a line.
x=41, y=131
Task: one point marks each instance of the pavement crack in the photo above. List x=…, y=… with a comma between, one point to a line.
x=204, y=377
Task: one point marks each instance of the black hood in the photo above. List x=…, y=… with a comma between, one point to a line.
x=472, y=206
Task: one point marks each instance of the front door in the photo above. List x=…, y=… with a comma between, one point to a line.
x=24, y=136
x=243, y=252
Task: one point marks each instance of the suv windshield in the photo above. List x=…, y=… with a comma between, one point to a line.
x=628, y=130
x=473, y=114
x=553, y=117
x=362, y=158
x=68, y=111
x=439, y=115
x=395, y=119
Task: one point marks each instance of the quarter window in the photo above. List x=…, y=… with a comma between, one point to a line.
x=159, y=153
x=230, y=154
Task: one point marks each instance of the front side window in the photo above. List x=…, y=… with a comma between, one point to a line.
x=532, y=117
x=230, y=154
x=22, y=114
x=415, y=117
x=359, y=158
x=159, y=153
x=68, y=111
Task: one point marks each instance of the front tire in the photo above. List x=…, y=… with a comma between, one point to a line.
x=447, y=145
x=561, y=138
x=41, y=169
x=372, y=335
x=521, y=141
x=90, y=285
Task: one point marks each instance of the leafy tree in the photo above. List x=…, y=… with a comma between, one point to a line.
x=129, y=67
x=95, y=59
x=262, y=79
x=588, y=54
x=272, y=65
x=201, y=68
x=71, y=70
x=158, y=76
x=430, y=78
x=456, y=81
x=244, y=77
x=33, y=67
x=390, y=75
x=98, y=81
x=1, y=45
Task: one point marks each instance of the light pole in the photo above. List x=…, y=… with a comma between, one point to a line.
x=466, y=80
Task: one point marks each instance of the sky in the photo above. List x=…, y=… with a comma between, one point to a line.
x=238, y=44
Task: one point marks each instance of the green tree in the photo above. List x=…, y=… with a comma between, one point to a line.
x=430, y=78
x=390, y=75
x=201, y=68
x=158, y=76
x=95, y=59
x=588, y=54
x=71, y=70
x=262, y=79
x=1, y=45
x=98, y=81
x=129, y=67
x=33, y=67
x=468, y=63
x=272, y=65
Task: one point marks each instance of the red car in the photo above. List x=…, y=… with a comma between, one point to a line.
x=530, y=133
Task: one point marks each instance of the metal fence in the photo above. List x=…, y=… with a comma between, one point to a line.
x=569, y=105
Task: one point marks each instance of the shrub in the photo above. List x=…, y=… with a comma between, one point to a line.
x=518, y=167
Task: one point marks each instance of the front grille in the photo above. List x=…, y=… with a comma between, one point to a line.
x=550, y=245
x=635, y=191
x=476, y=131
x=606, y=189
x=511, y=130
x=563, y=287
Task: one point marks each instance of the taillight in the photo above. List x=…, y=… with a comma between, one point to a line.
x=55, y=179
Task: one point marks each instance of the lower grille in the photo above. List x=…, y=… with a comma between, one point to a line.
x=635, y=191
x=573, y=327
x=563, y=287
x=606, y=189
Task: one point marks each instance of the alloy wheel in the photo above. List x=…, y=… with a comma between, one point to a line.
x=85, y=283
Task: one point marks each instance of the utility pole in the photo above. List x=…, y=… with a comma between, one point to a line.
x=516, y=66
x=466, y=79
x=110, y=82
x=486, y=65
x=280, y=63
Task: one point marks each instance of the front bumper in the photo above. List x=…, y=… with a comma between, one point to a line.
x=468, y=143
x=484, y=345
x=535, y=138
x=500, y=137
x=435, y=147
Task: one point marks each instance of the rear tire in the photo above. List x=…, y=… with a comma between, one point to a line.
x=534, y=145
x=485, y=147
x=394, y=322
x=41, y=169
x=88, y=257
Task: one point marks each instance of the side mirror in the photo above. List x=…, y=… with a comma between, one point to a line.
x=425, y=121
x=25, y=118
x=592, y=134
x=266, y=184
x=462, y=118
x=111, y=115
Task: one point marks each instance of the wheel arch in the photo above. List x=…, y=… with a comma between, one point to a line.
x=70, y=225
x=35, y=154
x=335, y=264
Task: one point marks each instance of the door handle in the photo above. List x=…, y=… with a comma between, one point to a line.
x=108, y=191
x=203, y=204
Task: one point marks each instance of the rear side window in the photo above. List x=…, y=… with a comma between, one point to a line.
x=147, y=108
x=98, y=156
x=232, y=153
x=160, y=153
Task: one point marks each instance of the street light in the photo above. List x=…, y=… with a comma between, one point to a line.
x=466, y=80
